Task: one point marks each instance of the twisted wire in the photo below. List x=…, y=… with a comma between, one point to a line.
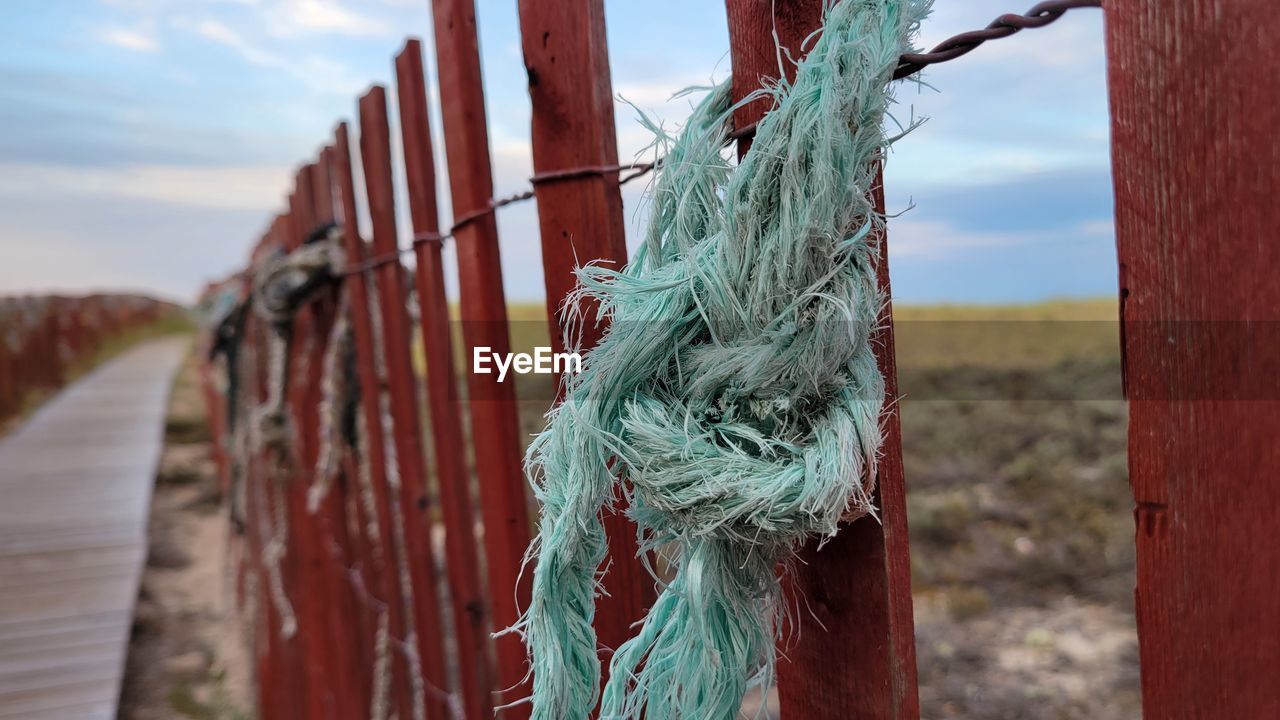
x=1004, y=26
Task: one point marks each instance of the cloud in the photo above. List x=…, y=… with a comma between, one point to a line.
x=294, y=17
x=932, y=239
x=223, y=35
x=281, y=18
x=320, y=74
x=229, y=188
x=139, y=39
x=59, y=263
x=1062, y=201
x=61, y=240
x=1105, y=228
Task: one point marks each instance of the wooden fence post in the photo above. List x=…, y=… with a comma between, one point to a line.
x=854, y=656
x=402, y=392
x=385, y=564
x=566, y=57
x=279, y=680
x=494, y=420
x=1195, y=104
x=306, y=548
x=333, y=554
x=470, y=609
x=289, y=507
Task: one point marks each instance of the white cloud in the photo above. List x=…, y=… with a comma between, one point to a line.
x=1097, y=228
x=44, y=261
x=224, y=35
x=138, y=39
x=295, y=17
x=237, y=188
x=931, y=239
x=320, y=74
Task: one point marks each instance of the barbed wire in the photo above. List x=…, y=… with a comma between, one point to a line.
x=909, y=64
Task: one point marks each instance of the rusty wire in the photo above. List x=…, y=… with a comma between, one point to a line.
x=1003, y=26
x=909, y=64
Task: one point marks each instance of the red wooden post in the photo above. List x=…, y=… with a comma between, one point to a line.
x=350, y=621
x=275, y=683
x=375, y=152
x=470, y=611
x=567, y=61
x=7, y=390
x=1195, y=105
x=362, y=580
x=854, y=656
x=267, y=621
x=305, y=552
x=333, y=551
x=385, y=571
x=494, y=420
x=322, y=180
x=282, y=506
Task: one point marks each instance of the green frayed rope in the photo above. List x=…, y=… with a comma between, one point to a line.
x=735, y=396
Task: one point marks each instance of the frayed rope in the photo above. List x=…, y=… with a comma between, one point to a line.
x=735, y=396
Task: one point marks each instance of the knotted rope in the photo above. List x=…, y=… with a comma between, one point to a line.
x=735, y=397
x=282, y=285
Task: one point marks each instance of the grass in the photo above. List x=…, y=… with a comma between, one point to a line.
x=184, y=701
x=1006, y=336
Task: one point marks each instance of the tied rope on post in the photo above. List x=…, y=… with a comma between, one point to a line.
x=282, y=285
x=735, y=396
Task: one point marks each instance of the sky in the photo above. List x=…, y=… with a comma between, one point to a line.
x=144, y=144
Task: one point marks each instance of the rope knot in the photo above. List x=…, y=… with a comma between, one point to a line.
x=735, y=396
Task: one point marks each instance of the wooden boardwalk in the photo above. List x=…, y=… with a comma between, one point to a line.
x=75, y=485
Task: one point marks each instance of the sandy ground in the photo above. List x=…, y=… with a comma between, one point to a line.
x=1068, y=660
x=187, y=655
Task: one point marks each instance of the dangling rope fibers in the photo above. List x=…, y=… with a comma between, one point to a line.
x=735, y=396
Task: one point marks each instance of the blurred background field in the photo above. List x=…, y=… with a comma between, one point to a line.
x=1014, y=441
x=1018, y=504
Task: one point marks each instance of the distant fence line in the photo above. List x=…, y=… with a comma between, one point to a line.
x=45, y=339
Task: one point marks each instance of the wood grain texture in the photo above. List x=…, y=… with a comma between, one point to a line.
x=567, y=61
x=285, y=502
x=76, y=480
x=853, y=653
x=333, y=553
x=1195, y=105
x=470, y=607
x=381, y=570
x=305, y=556
x=402, y=397
x=268, y=645
x=495, y=428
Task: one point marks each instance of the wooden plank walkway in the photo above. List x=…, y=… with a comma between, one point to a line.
x=75, y=485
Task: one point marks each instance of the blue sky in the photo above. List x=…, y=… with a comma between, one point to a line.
x=145, y=143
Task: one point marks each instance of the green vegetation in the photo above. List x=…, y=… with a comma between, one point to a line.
x=184, y=701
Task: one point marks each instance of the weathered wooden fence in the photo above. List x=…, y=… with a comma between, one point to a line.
x=46, y=339
x=382, y=546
